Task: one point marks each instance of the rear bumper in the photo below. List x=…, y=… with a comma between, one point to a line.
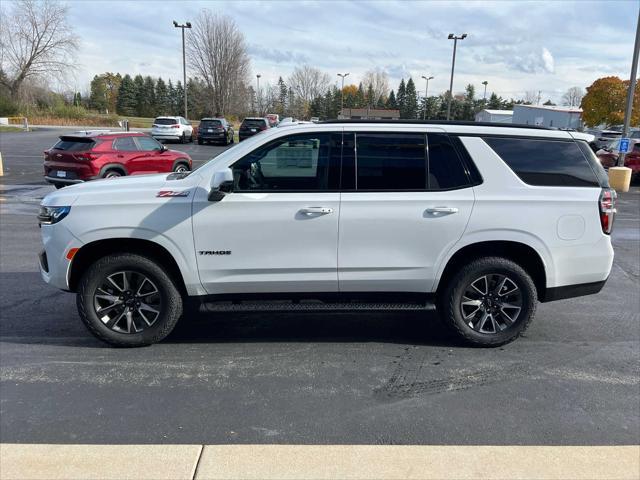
x=571, y=291
x=162, y=136
x=63, y=181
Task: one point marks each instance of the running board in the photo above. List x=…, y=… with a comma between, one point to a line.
x=310, y=306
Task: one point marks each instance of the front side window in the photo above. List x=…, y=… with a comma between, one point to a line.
x=148, y=144
x=549, y=163
x=125, y=144
x=304, y=162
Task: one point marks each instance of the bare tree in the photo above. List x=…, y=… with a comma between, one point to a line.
x=379, y=82
x=36, y=40
x=573, y=97
x=308, y=82
x=217, y=51
x=530, y=97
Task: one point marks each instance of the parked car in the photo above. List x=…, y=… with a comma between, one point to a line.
x=603, y=137
x=608, y=157
x=176, y=129
x=91, y=155
x=215, y=130
x=252, y=125
x=446, y=215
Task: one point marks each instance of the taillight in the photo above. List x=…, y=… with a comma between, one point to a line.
x=607, y=206
x=263, y=127
x=46, y=154
x=87, y=156
x=175, y=126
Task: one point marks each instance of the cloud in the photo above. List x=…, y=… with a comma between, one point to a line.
x=276, y=55
x=518, y=58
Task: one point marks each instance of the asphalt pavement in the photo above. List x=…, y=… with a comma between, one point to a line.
x=359, y=378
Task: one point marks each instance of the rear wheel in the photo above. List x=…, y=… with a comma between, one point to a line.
x=112, y=174
x=183, y=138
x=489, y=302
x=128, y=300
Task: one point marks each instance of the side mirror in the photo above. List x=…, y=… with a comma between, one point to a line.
x=221, y=184
x=163, y=148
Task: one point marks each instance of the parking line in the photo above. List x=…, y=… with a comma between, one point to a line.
x=317, y=462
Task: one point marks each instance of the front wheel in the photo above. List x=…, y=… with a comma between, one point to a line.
x=489, y=302
x=128, y=300
x=111, y=174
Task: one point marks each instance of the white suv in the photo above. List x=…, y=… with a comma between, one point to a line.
x=172, y=128
x=480, y=221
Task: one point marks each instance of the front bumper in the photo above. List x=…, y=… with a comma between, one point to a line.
x=54, y=265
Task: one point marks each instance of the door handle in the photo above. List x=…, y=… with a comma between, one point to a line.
x=316, y=210
x=437, y=210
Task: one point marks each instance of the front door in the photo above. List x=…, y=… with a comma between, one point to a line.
x=153, y=159
x=278, y=230
x=409, y=203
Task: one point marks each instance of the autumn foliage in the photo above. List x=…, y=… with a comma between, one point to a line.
x=605, y=102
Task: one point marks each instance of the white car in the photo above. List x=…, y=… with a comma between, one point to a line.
x=176, y=129
x=479, y=221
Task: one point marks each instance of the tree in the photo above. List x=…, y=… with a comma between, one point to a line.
x=162, y=98
x=495, y=102
x=468, y=109
x=360, y=100
x=530, y=97
x=217, y=51
x=573, y=97
x=282, y=96
x=104, y=91
x=127, y=97
x=308, y=82
x=178, y=99
x=549, y=103
x=36, y=41
x=98, y=94
x=401, y=97
x=604, y=102
x=411, y=101
x=376, y=81
x=350, y=93
x=391, y=101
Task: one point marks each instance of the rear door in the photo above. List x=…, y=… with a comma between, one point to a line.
x=406, y=200
x=278, y=230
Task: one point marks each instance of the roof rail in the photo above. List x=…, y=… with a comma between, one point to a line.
x=440, y=122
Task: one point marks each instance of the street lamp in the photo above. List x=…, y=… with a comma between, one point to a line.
x=342, y=75
x=258, y=92
x=426, y=94
x=455, y=39
x=184, y=64
x=484, y=97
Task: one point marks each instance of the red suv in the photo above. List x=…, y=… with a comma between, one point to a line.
x=84, y=156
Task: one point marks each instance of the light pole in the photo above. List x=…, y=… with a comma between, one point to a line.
x=455, y=39
x=426, y=95
x=342, y=75
x=258, y=93
x=484, y=97
x=184, y=64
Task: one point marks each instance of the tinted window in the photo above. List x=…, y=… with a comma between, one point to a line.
x=148, y=143
x=74, y=144
x=596, y=166
x=210, y=123
x=305, y=162
x=446, y=171
x=391, y=161
x=545, y=162
x=253, y=123
x=165, y=121
x=126, y=144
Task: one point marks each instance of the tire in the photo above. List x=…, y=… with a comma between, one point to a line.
x=200, y=141
x=183, y=138
x=58, y=186
x=191, y=138
x=166, y=300
x=502, y=323
x=112, y=173
x=181, y=167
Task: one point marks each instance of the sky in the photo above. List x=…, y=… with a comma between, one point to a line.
x=516, y=46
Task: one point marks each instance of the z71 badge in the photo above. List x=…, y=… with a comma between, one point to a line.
x=173, y=193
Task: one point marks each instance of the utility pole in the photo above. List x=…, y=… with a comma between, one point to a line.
x=632, y=89
x=484, y=97
x=455, y=39
x=342, y=75
x=258, y=94
x=184, y=64
x=426, y=95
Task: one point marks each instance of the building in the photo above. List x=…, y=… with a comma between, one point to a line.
x=548, y=116
x=494, y=116
x=369, y=114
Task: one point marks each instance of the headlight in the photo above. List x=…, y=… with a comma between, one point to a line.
x=50, y=215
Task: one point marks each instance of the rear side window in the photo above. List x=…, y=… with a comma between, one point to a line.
x=445, y=168
x=165, y=121
x=545, y=163
x=391, y=161
x=125, y=144
x=74, y=144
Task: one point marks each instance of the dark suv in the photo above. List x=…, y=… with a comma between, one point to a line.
x=215, y=130
x=252, y=125
x=83, y=156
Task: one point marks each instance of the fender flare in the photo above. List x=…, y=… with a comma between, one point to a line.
x=114, y=166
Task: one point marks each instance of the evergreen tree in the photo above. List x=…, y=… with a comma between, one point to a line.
x=178, y=99
x=495, y=102
x=171, y=94
x=98, y=94
x=360, y=101
x=391, y=101
x=126, y=103
x=282, y=97
x=411, y=100
x=468, y=107
x=138, y=82
x=162, y=98
x=77, y=99
x=148, y=98
x=371, y=102
x=401, y=98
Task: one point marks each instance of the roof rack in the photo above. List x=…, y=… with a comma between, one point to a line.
x=440, y=122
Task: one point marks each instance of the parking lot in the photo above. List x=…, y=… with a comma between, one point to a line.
x=358, y=378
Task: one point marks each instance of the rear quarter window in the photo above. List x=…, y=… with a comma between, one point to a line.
x=548, y=163
x=74, y=144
